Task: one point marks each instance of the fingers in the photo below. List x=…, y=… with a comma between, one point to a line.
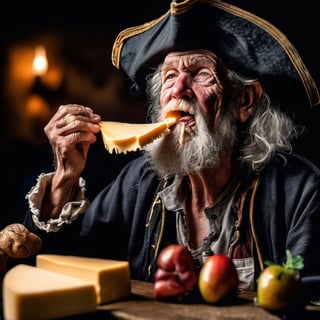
x=70, y=119
x=71, y=113
x=66, y=112
x=78, y=136
x=70, y=132
x=76, y=140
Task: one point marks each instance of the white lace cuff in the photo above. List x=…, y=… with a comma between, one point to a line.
x=70, y=212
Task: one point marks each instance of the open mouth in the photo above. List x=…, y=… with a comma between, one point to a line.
x=181, y=116
x=186, y=116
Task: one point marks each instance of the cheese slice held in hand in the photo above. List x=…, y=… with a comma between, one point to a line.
x=34, y=293
x=123, y=137
x=111, y=278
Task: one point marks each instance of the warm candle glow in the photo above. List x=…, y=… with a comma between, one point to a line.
x=40, y=62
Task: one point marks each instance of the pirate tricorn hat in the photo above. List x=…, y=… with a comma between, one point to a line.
x=247, y=44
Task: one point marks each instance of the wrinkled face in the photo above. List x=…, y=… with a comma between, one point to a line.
x=194, y=84
x=193, y=76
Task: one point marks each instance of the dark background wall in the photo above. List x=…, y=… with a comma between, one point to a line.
x=79, y=38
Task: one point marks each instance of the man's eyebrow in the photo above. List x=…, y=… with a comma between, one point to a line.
x=193, y=60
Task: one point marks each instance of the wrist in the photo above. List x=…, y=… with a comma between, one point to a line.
x=69, y=210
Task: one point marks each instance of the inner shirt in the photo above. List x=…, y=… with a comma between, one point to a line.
x=227, y=231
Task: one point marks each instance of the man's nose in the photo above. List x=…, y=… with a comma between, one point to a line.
x=182, y=88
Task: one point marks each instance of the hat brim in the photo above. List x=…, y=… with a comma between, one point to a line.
x=247, y=44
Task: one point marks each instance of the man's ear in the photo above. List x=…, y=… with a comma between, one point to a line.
x=251, y=97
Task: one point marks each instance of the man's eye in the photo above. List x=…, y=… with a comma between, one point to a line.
x=169, y=76
x=203, y=76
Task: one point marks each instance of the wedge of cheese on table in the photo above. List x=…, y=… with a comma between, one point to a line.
x=31, y=293
x=61, y=286
x=111, y=278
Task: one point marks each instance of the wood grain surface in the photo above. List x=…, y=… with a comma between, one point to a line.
x=141, y=305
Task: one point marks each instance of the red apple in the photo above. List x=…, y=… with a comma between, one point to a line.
x=176, y=273
x=218, y=278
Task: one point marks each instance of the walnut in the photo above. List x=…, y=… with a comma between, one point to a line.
x=16, y=241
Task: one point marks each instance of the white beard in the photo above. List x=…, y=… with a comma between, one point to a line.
x=204, y=149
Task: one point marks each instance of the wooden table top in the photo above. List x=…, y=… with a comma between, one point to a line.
x=141, y=305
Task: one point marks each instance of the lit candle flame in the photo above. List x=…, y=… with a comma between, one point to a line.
x=40, y=61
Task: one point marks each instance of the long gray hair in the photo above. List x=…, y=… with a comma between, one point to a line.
x=269, y=130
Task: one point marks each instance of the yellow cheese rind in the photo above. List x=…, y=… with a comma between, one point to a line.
x=111, y=278
x=124, y=137
x=34, y=293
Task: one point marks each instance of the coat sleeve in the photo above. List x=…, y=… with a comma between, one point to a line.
x=109, y=224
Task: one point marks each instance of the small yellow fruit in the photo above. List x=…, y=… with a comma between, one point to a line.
x=279, y=286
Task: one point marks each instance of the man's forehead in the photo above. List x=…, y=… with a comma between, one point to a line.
x=193, y=56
